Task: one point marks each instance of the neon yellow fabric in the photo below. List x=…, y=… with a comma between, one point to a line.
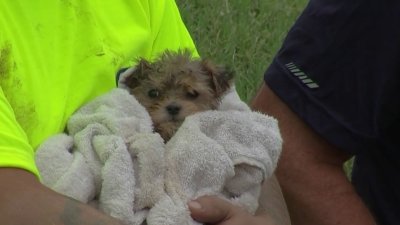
x=57, y=55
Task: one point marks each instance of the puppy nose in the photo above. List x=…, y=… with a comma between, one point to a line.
x=173, y=109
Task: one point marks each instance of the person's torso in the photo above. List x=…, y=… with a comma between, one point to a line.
x=64, y=54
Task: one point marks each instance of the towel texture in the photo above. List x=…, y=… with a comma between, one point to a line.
x=111, y=159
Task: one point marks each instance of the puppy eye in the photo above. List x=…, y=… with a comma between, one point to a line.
x=192, y=94
x=153, y=93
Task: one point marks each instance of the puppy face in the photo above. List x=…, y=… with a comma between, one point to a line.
x=176, y=86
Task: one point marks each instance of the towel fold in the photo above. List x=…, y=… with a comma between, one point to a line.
x=111, y=159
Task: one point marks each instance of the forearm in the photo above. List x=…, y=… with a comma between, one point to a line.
x=310, y=171
x=23, y=200
x=272, y=203
x=321, y=194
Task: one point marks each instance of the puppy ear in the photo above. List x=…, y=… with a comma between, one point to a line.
x=132, y=77
x=221, y=77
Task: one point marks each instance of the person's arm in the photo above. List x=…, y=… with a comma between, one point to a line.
x=24, y=200
x=272, y=202
x=310, y=172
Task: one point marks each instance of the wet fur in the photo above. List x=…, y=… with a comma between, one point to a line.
x=176, y=80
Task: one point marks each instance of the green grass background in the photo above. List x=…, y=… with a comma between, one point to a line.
x=243, y=34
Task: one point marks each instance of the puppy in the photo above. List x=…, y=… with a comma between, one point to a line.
x=175, y=86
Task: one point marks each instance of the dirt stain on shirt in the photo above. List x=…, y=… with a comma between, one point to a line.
x=5, y=52
x=24, y=110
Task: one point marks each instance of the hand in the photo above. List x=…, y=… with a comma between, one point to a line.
x=216, y=211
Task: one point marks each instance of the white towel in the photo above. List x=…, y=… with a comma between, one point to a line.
x=94, y=162
x=225, y=153
x=111, y=159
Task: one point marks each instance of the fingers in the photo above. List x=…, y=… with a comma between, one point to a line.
x=213, y=210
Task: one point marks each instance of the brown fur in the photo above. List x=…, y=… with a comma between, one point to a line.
x=176, y=86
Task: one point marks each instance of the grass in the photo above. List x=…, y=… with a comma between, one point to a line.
x=243, y=34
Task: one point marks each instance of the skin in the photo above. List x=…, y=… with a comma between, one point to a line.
x=310, y=173
x=272, y=209
x=24, y=200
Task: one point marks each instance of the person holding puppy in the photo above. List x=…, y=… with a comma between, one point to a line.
x=54, y=57
x=333, y=87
